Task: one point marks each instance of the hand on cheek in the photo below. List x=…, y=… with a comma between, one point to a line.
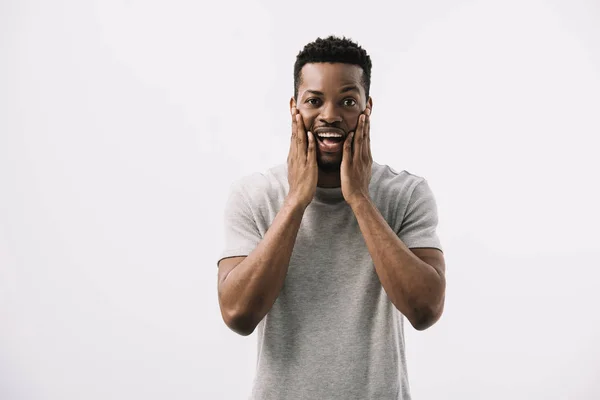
x=302, y=163
x=357, y=161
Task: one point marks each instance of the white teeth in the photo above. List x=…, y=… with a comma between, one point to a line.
x=328, y=134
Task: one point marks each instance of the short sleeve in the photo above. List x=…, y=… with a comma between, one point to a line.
x=419, y=225
x=240, y=228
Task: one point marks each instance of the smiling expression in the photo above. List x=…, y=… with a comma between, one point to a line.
x=331, y=97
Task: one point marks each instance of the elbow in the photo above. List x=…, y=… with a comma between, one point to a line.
x=242, y=323
x=242, y=326
x=426, y=316
x=423, y=322
x=427, y=310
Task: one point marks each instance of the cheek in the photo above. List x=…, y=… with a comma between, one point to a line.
x=308, y=118
x=351, y=119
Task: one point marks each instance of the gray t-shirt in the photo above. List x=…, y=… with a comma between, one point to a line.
x=332, y=333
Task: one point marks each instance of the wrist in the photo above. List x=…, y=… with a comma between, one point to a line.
x=294, y=203
x=358, y=200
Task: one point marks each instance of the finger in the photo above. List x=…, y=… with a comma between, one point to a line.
x=367, y=126
x=311, y=154
x=301, y=140
x=293, y=144
x=367, y=142
x=293, y=112
x=347, y=154
x=359, y=141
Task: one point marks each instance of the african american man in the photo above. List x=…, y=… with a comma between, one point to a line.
x=327, y=253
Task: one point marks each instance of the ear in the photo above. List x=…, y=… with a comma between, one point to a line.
x=292, y=104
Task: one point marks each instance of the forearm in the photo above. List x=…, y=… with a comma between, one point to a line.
x=413, y=286
x=250, y=289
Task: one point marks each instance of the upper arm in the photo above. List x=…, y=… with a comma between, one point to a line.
x=226, y=265
x=418, y=224
x=433, y=257
x=241, y=231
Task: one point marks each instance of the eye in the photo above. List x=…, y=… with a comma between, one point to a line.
x=313, y=101
x=349, y=102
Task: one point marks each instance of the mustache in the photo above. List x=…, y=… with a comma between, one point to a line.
x=328, y=128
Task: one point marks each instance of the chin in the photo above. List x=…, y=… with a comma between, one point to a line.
x=329, y=165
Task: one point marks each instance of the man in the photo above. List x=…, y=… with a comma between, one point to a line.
x=326, y=253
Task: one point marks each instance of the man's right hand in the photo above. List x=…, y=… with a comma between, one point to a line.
x=303, y=172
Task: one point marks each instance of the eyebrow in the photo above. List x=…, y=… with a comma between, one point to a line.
x=350, y=88
x=345, y=89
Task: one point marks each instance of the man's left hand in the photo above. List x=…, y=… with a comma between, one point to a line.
x=357, y=161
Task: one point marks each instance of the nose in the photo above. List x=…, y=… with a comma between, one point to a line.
x=330, y=114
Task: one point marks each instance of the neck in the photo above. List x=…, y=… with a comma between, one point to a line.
x=329, y=179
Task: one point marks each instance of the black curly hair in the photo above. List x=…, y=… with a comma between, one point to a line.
x=335, y=50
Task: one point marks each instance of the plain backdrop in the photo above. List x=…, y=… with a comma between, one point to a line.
x=123, y=124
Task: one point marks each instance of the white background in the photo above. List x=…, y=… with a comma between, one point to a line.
x=123, y=123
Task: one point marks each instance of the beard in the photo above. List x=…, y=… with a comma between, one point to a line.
x=328, y=164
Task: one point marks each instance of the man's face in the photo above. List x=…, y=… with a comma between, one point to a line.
x=331, y=98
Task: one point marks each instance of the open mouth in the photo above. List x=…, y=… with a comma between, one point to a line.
x=330, y=138
x=330, y=141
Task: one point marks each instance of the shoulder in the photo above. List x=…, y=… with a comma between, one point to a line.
x=258, y=186
x=387, y=182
